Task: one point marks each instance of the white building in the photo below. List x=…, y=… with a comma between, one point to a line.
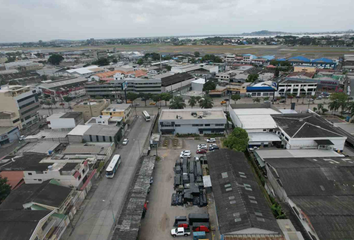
x=258, y=123
x=197, y=85
x=297, y=86
x=308, y=131
x=197, y=121
x=85, y=71
x=67, y=120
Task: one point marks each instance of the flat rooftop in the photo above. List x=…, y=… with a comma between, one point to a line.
x=116, y=107
x=255, y=111
x=102, y=130
x=79, y=130
x=72, y=115
x=299, y=153
x=170, y=114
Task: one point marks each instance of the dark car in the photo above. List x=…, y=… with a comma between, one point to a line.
x=201, y=151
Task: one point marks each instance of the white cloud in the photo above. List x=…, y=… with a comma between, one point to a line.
x=24, y=20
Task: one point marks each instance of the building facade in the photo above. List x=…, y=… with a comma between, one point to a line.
x=118, y=110
x=22, y=102
x=192, y=121
x=91, y=108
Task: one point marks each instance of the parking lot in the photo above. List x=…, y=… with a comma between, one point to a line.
x=160, y=215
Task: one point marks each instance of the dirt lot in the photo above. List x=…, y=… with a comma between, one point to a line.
x=160, y=216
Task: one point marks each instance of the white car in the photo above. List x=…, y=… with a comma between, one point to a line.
x=125, y=141
x=211, y=140
x=177, y=232
x=202, y=146
x=185, y=153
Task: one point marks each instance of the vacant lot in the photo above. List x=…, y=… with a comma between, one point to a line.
x=159, y=218
x=259, y=50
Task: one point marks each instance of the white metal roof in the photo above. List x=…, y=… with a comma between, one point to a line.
x=300, y=153
x=255, y=111
x=199, y=80
x=207, y=181
x=263, y=137
x=79, y=130
x=257, y=122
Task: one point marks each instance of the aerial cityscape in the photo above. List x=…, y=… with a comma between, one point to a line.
x=149, y=120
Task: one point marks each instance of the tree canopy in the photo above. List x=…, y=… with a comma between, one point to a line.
x=338, y=100
x=236, y=97
x=237, y=140
x=206, y=102
x=166, y=97
x=5, y=189
x=177, y=103
x=132, y=96
x=55, y=59
x=101, y=62
x=209, y=85
x=197, y=54
x=192, y=101
x=211, y=58
x=252, y=77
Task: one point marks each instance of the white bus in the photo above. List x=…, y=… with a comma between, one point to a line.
x=146, y=116
x=113, y=166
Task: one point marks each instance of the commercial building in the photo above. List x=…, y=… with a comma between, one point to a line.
x=348, y=62
x=21, y=103
x=323, y=196
x=95, y=133
x=91, y=108
x=196, y=121
x=241, y=207
x=59, y=89
x=67, y=120
x=197, y=85
x=298, y=87
x=158, y=84
x=195, y=69
x=118, y=110
x=262, y=89
x=308, y=131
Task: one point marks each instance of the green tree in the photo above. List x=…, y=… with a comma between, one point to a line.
x=192, y=101
x=206, y=102
x=156, y=98
x=101, y=62
x=209, y=85
x=140, y=61
x=177, y=102
x=115, y=60
x=237, y=140
x=236, y=97
x=276, y=74
x=350, y=108
x=252, y=77
x=266, y=99
x=197, y=54
x=256, y=100
x=67, y=99
x=166, y=97
x=132, y=96
x=341, y=99
x=55, y=59
x=334, y=106
x=5, y=189
x=198, y=98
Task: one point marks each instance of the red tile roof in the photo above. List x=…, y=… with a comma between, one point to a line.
x=13, y=177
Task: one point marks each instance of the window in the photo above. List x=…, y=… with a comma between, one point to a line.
x=207, y=125
x=104, y=138
x=287, y=139
x=177, y=125
x=79, y=176
x=90, y=138
x=197, y=125
x=97, y=139
x=219, y=125
x=110, y=139
x=40, y=180
x=16, y=120
x=29, y=173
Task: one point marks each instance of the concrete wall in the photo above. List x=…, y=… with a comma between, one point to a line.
x=297, y=143
x=183, y=126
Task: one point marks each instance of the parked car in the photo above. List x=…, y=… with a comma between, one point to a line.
x=213, y=147
x=129, y=101
x=201, y=151
x=223, y=102
x=202, y=146
x=177, y=232
x=211, y=140
x=185, y=153
x=152, y=103
x=125, y=141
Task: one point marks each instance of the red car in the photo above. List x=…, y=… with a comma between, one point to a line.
x=201, y=151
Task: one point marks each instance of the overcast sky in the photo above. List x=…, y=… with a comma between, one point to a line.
x=33, y=20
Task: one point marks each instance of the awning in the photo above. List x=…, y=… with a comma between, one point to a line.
x=325, y=142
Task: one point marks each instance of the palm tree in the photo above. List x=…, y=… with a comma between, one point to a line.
x=350, y=108
x=206, y=102
x=198, y=98
x=192, y=101
x=177, y=103
x=333, y=106
x=256, y=100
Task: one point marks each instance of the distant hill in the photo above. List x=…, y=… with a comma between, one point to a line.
x=263, y=33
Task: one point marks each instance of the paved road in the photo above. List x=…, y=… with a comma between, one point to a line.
x=96, y=220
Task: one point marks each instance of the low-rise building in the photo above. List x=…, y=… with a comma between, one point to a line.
x=67, y=120
x=192, y=121
x=85, y=71
x=118, y=110
x=308, y=131
x=197, y=85
x=91, y=108
x=262, y=89
x=297, y=87
x=22, y=103
x=103, y=133
x=8, y=135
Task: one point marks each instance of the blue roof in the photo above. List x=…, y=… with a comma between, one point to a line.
x=300, y=58
x=326, y=60
x=253, y=56
x=281, y=59
x=268, y=57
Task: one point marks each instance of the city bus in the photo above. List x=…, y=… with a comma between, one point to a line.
x=113, y=166
x=146, y=116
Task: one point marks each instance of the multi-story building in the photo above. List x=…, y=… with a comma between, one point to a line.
x=297, y=86
x=91, y=108
x=197, y=121
x=22, y=103
x=118, y=110
x=67, y=120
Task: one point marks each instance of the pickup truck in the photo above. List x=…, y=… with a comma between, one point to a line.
x=180, y=232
